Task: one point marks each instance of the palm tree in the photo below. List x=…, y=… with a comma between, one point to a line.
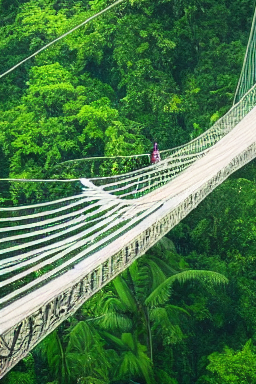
x=138, y=303
x=51, y=348
x=85, y=354
x=133, y=310
x=84, y=358
x=133, y=362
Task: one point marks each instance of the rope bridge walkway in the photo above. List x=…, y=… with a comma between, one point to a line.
x=56, y=254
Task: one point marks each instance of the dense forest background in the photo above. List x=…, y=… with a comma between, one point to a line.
x=162, y=70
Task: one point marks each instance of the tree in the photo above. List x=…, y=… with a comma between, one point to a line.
x=236, y=367
x=52, y=350
x=133, y=362
x=138, y=308
x=24, y=372
x=77, y=356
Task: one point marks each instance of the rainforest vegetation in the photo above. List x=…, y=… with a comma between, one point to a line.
x=147, y=70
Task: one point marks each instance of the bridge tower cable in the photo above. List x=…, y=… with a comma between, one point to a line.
x=248, y=74
x=61, y=37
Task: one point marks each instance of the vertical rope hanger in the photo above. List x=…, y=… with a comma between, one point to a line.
x=62, y=36
x=248, y=74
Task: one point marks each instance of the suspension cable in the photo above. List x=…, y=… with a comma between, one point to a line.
x=62, y=36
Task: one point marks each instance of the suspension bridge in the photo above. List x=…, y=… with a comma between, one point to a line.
x=57, y=253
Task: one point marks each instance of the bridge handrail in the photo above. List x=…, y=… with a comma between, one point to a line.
x=174, y=150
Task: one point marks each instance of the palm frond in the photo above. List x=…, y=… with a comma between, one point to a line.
x=134, y=270
x=165, y=326
x=161, y=293
x=114, y=320
x=115, y=339
x=124, y=293
x=145, y=366
x=158, y=276
x=127, y=339
x=171, y=309
x=111, y=304
x=142, y=284
x=85, y=354
x=52, y=350
x=212, y=278
x=164, y=266
x=93, y=306
x=160, y=316
x=81, y=338
x=159, y=296
x=129, y=365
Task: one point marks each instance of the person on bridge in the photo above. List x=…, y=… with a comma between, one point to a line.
x=155, y=155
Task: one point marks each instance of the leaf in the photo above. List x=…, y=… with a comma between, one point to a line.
x=161, y=293
x=115, y=339
x=124, y=293
x=127, y=339
x=209, y=276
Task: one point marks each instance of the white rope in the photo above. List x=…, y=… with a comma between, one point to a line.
x=76, y=246
x=62, y=36
x=55, y=219
x=92, y=195
x=59, y=234
x=43, y=251
x=71, y=240
x=164, y=166
x=239, y=85
x=46, y=213
x=40, y=205
x=102, y=158
x=42, y=231
x=41, y=180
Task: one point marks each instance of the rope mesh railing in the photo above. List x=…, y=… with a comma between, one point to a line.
x=100, y=166
x=138, y=165
x=221, y=128
x=41, y=241
x=142, y=181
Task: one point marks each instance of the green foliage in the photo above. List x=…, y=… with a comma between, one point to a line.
x=124, y=294
x=147, y=70
x=134, y=361
x=20, y=377
x=232, y=367
x=135, y=315
x=160, y=294
x=25, y=373
x=227, y=226
x=159, y=70
x=56, y=123
x=81, y=355
x=52, y=349
x=85, y=354
x=164, y=378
